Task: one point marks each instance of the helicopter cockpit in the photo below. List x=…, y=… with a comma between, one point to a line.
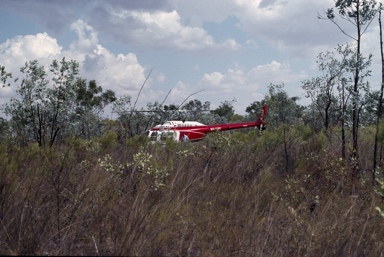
x=162, y=136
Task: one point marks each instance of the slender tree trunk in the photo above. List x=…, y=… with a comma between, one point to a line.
x=343, y=154
x=355, y=127
x=379, y=112
x=286, y=150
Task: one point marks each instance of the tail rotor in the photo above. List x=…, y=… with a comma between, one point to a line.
x=261, y=122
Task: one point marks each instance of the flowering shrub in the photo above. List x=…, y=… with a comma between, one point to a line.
x=151, y=168
x=108, y=165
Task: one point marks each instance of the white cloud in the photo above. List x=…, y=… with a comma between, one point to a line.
x=173, y=28
x=159, y=29
x=246, y=86
x=121, y=73
x=213, y=79
x=290, y=26
x=16, y=51
x=87, y=37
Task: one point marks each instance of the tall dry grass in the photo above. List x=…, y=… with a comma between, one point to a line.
x=232, y=194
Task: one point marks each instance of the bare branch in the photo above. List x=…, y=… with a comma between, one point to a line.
x=133, y=108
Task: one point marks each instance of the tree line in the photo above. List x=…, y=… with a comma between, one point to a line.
x=50, y=108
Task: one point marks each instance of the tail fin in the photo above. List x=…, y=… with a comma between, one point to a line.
x=261, y=122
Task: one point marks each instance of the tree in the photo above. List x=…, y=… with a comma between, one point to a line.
x=360, y=14
x=283, y=111
x=225, y=110
x=4, y=129
x=171, y=107
x=62, y=97
x=90, y=102
x=321, y=90
x=196, y=105
x=380, y=102
x=194, y=109
x=254, y=108
x=28, y=112
x=4, y=76
x=92, y=96
x=45, y=113
x=135, y=122
x=122, y=106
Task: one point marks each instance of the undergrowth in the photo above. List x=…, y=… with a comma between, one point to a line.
x=285, y=193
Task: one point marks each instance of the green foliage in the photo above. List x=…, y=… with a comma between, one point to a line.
x=110, y=166
x=362, y=12
x=5, y=133
x=329, y=92
x=305, y=131
x=108, y=140
x=92, y=96
x=282, y=109
x=225, y=109
x=170, y=144
x=136, y=141
x=4, y=76
x=46, y=113
x=193, y=110
x=157, y=171
x=222, y=141
x=254, y=108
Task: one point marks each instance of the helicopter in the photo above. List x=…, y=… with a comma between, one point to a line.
x=194, y=131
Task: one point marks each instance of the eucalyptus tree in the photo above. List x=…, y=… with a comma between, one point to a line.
x=134, y=122
x=28, y=112
x=4, y=130
x=368, y=109
x=253, y=109
x=62, y=95
x=4, y=76
x=360, y=14
x=90, y=103
x=282, y=108
x=46, y=104
x=195, y=109
x=122, y=107
x=283, y=112
x=380, y=102
x=225, y=110
x=322, y=89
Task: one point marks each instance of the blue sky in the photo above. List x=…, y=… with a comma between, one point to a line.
x=230, y=49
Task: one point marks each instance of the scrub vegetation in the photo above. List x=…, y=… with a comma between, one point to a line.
x=229, y=194
x=73, y=182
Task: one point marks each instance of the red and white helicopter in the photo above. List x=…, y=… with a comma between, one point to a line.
x=193, y=131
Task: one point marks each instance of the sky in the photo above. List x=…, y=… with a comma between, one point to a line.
x=209, y=50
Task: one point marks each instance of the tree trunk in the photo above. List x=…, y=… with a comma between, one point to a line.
x=379, y=112
x=355, y=128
